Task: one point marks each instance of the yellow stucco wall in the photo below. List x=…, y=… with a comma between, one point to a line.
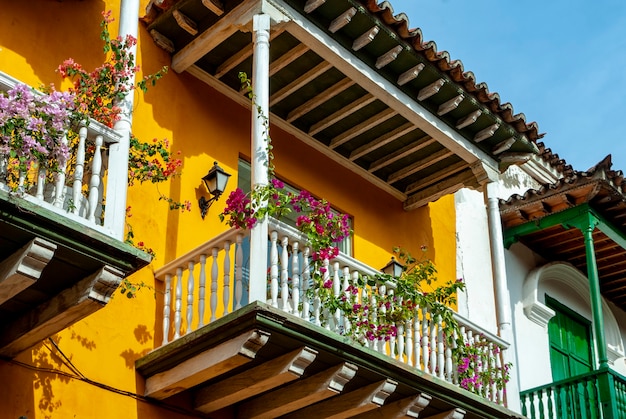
x=36, y=36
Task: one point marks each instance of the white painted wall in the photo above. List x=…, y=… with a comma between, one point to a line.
x=532, y=353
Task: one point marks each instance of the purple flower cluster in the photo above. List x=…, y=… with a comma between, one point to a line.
x=32, y=127
x=324, y=227
x=239, y=209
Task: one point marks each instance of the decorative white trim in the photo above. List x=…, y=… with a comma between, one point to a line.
x=576, y=281
x=539, y=313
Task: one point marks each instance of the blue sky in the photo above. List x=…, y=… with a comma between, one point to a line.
x=560, y=62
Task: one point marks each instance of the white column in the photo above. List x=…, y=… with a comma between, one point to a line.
x=501, y=291
x=117, y=182
x=259, y=152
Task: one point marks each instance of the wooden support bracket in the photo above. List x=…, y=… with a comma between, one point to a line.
x=64, y=309
x=257, y=380
x=206, y=365
x=300, y=394
x=349, y=404
x=409, y=407
x=24, y=267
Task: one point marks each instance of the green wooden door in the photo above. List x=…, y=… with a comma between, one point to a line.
x=571, y=355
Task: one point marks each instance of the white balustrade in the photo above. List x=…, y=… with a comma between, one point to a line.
x=421, y=341
x=76, y=190
x=217, y=253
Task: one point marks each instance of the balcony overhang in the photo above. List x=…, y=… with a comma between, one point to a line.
x=261, y=362
x=54, y=271
x=350, y=80
x=545, y=219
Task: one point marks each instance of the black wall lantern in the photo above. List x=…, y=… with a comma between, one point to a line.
x=215, y=182
x=393, y=268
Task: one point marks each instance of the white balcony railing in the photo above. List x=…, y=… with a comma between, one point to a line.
x=77, y=191
x=216, y=270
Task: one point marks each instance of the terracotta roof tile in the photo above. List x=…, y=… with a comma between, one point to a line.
x=454, y=68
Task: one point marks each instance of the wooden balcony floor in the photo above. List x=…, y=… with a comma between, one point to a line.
x=260, y=362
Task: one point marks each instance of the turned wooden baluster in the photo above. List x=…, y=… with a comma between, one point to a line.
x=59, y=185
x=41, y=182
x=432, y=347
x=500, y=393
x=409, y=342
x=201, y=290
x=3, y=168
x=462, y=340
x=400, y=356
x=295, y=279
x=94, y=182
x=178, y=302
x=214, y=273
x=336, y=292
x=491, y=365
x=425, y=340
x=79, y=171
x=20, y=181
x=417, y=338
x=381, y=313
x=374, y=315
x=190, y=287
x=274, y=269
x=441, y=355
x=226, y=293
x=346, y=284
x=284, y=274
x=393, y=340
x=238, y=272
x=449, y=364
x=306, y=283
x=167, y=301
x=325, y=279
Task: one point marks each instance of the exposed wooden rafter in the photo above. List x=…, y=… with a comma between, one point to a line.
x=419, y=165
x=162, y=41
x=216, y=6
x=383, y=140
x=450, y=105
x=447, y=186
x=342, y=20
x=468, y=119
x=388, y=57
x=341, y=113
x=362, y=127
x=486, y=132
x=435, y=177
x=307, y=77
x=410, y=74
x=365, y=38
x=399, y=154
x=243, y=54
x=287, y=58
x=185, y=22
x=430, y=90
x=212, y=37
x=311, y=5
x=321, y=98
x=503, y=145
